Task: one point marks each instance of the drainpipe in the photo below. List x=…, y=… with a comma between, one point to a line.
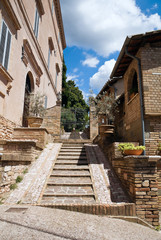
x=140, y=93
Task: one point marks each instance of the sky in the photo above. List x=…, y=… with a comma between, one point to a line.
x=95, y=32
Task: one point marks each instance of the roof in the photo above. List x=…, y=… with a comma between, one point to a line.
x=133, y=43
x=109, y=83
x=60, y=22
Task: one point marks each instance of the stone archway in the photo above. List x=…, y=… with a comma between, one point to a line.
x=29, y=88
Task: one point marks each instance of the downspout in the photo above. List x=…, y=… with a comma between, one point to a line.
x=140, y=93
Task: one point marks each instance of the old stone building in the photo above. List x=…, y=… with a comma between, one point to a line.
x=31, y=54
x=139, y=63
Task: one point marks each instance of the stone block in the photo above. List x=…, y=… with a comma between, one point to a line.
x=7, y=168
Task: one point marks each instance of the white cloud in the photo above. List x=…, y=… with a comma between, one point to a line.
x=75, y=78
x=98, y=80
x=155, y=6
x=72, y=77
x=90, y=61
x=86, y=95
x=103, y=25
x=75, y=70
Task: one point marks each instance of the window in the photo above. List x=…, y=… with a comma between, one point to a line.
x=57, y=72
x=56, y=78
x=5, y=43
x=36, y=25
x=51, y=48
x=49, y=54
x=59, y=37
x=132, y=84
x=52, y=8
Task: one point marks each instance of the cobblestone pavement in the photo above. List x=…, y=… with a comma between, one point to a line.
x=30, y=188
x=117, y=193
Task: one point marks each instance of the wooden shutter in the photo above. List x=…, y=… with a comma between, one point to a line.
x=7, y=50
x=2, y=43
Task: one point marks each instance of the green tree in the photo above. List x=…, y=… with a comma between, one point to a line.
x=72, y=98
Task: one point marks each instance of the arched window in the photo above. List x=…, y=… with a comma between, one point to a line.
x=132, y=84
x=29, y=88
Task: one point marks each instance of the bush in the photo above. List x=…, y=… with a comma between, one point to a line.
x=159, y=146
x=129, y=146
x=13, y=186
x=25, y=171
x=19, y=179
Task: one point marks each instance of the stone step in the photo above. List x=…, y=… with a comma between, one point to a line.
x=70, y=167
x=71, y=162
x=72, y=150
x=70, y=172
x=69, y=180
x=69, y=175
x=73, y=146
x=67, y=200
x=50, y=183
x=66, y=195
x=68, y=190
x=72, y=154
x=72, y=157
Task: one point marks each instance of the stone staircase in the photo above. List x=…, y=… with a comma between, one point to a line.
x=79, y=182
x=70, y=180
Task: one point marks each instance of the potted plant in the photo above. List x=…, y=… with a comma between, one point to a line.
x=105, y=106
x=36, y=110
x=130, y=149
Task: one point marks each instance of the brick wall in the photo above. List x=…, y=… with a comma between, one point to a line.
x=132, y=118
x=159, y=183
x=6, y=128
x=151, y=69
x=40, y=135
x=138, y=174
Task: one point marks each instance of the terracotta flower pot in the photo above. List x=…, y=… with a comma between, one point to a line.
x=34, y=121
x=133, y=152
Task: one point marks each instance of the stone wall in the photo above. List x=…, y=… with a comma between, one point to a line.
x=138, y=174
x=152, y=134
x=52, y=120
x=17, y=156
x=159, y=183
x=93, y=123
x=8, y=174
x=6, y=128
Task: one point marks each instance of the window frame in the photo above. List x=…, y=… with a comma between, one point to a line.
x=8, y=32
x=36, y=23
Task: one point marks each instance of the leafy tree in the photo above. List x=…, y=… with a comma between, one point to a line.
x=72, y=98
x=105, y=104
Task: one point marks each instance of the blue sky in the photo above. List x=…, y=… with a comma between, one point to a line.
x=95, y=32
